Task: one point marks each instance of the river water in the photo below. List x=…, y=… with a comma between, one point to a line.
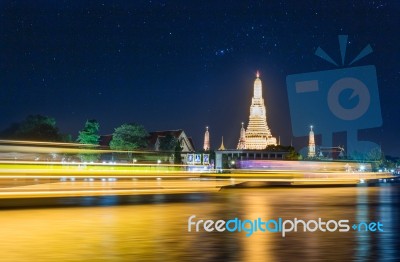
x=155, y=228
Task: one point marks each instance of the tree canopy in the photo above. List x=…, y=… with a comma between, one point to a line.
x=129, y=137
x=292, y=155
x=90, y=133
x=34, y=127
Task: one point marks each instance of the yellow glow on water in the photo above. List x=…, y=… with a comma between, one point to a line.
x=122, y=233
x=259, y=248
x=157, y=231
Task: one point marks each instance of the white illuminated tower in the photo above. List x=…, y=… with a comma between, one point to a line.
x=311, y=143
x=258, y=135
x=242, y=139
x=206, y=146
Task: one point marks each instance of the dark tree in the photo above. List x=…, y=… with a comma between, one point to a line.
x=67, y=138
x=10, y=131
x=177, y=152
x=129, y=137
x=34, y=127
x=293, y=155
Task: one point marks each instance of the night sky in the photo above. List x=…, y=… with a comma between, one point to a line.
x=185, y=64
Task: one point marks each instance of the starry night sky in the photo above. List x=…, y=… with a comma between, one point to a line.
x=185, y=64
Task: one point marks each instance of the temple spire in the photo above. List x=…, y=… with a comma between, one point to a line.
x=222, y=147
x=206, y=145
x=311, y=143
x=242, y=139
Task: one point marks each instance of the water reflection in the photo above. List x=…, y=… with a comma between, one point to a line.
x=362, y=216
x=154, y=228
x=258, y=246
x=388, y=215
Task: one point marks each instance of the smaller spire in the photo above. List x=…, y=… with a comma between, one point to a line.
x=222, y=147
x=242, y=138
x=206, y=145
x=311, y=143
x=258, y=74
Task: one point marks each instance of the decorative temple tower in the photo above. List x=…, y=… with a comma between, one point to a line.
x=206, y=146
x=242, y=139
x=258, y=136
x=311, y=143
x=222, y=147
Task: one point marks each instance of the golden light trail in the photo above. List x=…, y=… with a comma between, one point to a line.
x=27, y=142
x=24, y=177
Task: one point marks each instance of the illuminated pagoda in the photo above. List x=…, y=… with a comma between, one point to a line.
x=253, y=141
x=258, y=136
x=206, y=145
x=242, y=139
x=311, y=143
